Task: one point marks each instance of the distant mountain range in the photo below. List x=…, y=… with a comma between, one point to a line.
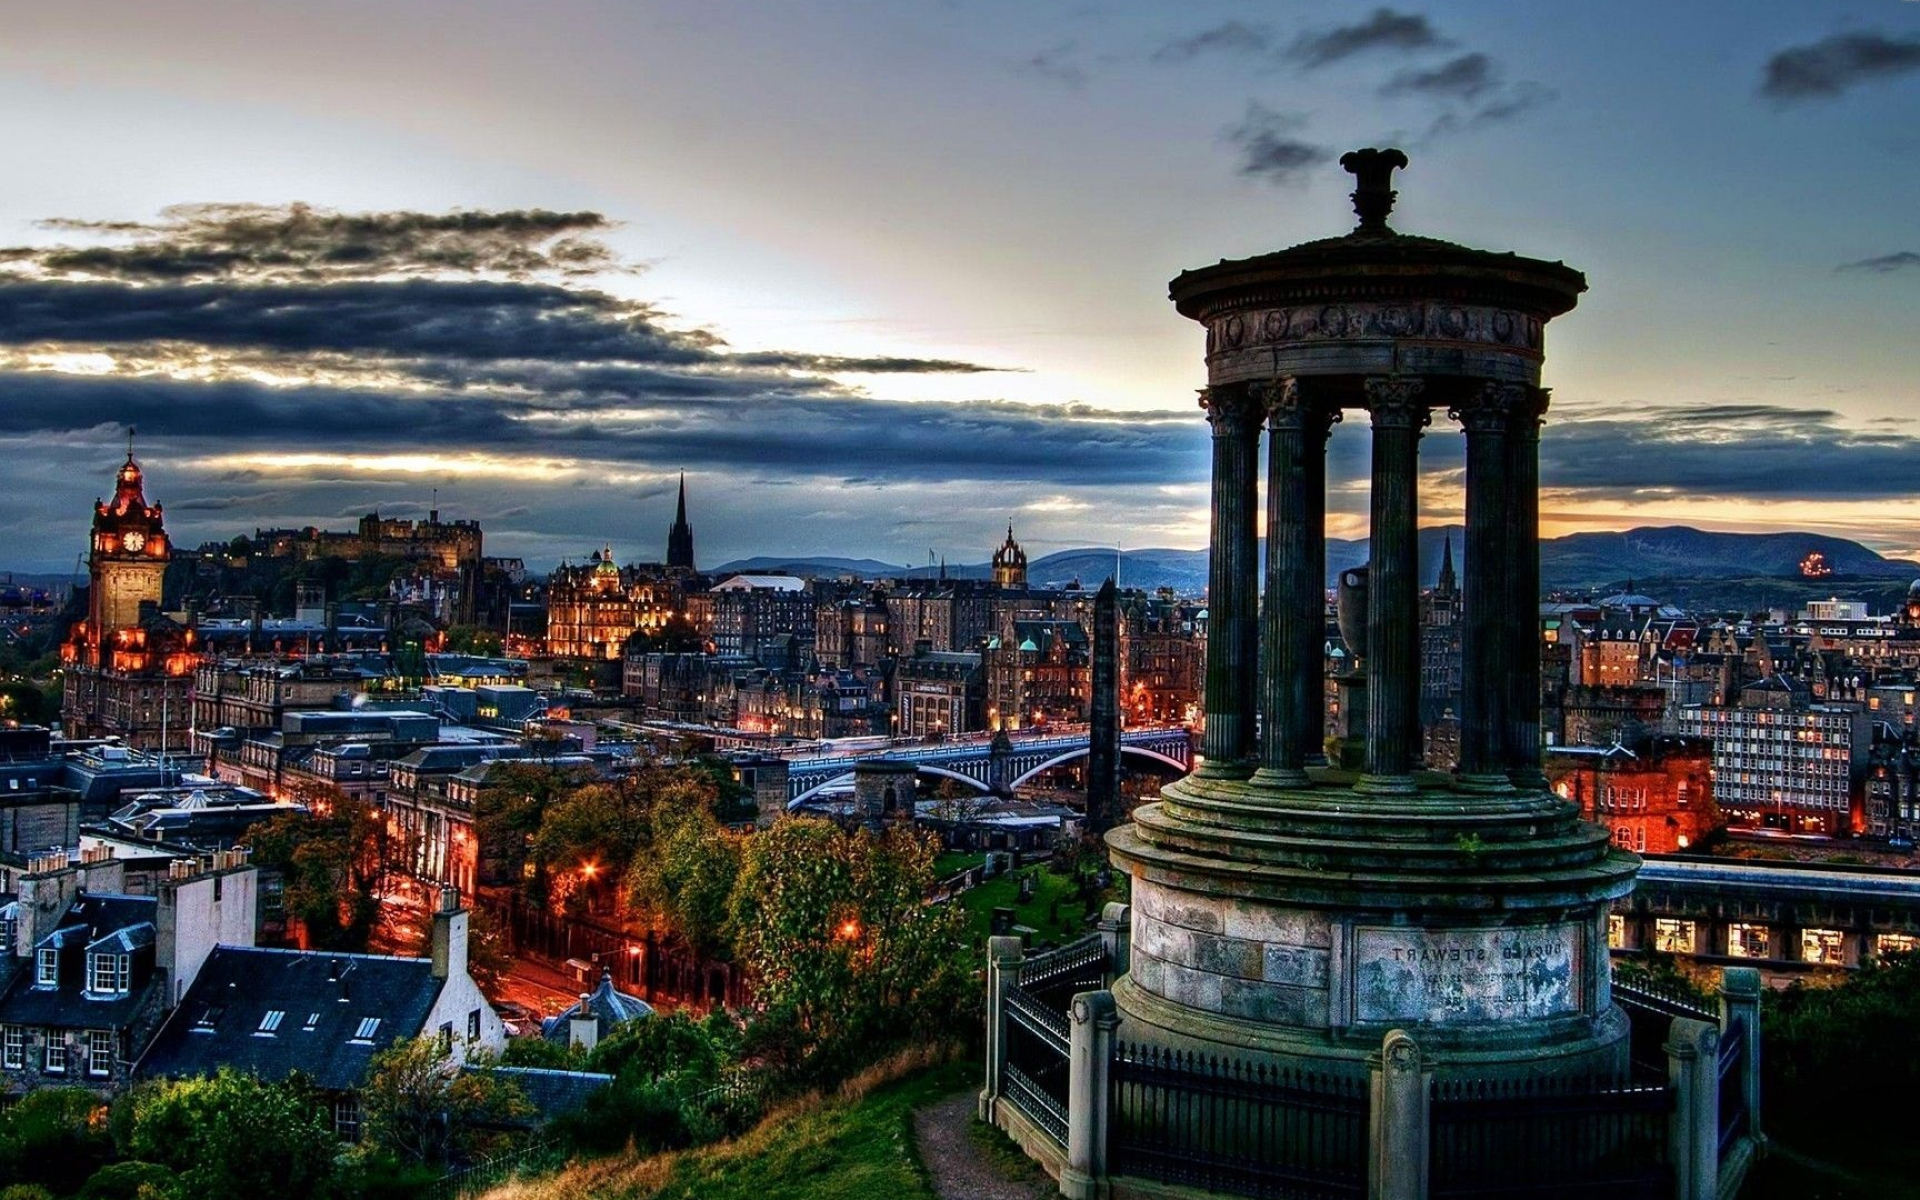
x=1577, y=561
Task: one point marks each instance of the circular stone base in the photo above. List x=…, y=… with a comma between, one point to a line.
x=1303, y=924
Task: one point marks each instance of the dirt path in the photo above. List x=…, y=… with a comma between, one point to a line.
x=961, y=1167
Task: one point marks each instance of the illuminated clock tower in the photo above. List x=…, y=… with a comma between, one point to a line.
x=129, y=667
x=127, y=561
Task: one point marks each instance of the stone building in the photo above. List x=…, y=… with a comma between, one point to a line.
x=447, y=551
x=128, y=667
x=593, y=609
x=88, y=972
x=1039, y=673
x=1440, y=609
x=767, y=618
x=853, y=631
x=1010, y=563
x=939, y=693
x=1655, y=794
x=1781, y=761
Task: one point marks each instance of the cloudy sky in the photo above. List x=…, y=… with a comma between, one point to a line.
x=882, y=275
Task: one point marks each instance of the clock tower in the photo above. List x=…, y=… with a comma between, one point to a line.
x=129, y=667
x=127, y=558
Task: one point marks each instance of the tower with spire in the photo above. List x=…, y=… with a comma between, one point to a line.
x=680, y=537
x=1010, y=563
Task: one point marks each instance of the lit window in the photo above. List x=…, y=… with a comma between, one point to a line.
x=1821, y=946
x=1893, y=943
x=1671, y=936
x=368, y=1027
x=1616, y=932
x=271, y=1021
x=1746, y=940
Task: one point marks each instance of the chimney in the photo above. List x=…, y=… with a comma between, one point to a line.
x=449, y=936
x=583, y=1028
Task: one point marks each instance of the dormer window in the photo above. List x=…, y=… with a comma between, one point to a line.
x=108, y=974
x=47, y=969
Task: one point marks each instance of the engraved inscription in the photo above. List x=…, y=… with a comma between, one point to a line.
x=1447, y=977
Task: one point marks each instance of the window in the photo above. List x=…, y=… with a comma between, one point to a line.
x=1821, y=946
x=444, y=1040
x=47, y=973
x=1671, y=936
x=346, y=1118
x=368, y=1027
x=271, y=1021
x=55, y=1062
x=1893, y=943
x=1746, y=940
x=209, y=1017
x=1616, y=932
x=107, y=973
x=99, y=1051
x=313, y=1022
x=13, y=1047
x=473, y=1025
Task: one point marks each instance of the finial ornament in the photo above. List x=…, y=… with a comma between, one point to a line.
x=1373, y=193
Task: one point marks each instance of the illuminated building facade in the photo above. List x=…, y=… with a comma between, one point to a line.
x=593, y=609
x=128, y=668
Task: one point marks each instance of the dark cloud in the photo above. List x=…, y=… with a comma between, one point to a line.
x=1058, y=64
x=1884, y=264
x=1384, y=29
x=1833, y=65
x=1233, y=37
x=1753, y=452
x=225, y=241
x=1466, y=76
x=1270, y=148
x=1506, y=103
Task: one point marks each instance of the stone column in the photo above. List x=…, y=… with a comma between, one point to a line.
x=1393, y=585
x=1116, y=937
x=1292, y=664
x=1398, y=1120
x=1231, y=618
x=1093, y=1019
x=1003, y=971
x=1523, y=547
x=1486, y=416
x=1693, y=1070
x=1740, y=997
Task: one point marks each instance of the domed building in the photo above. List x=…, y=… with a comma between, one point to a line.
x=594, y=608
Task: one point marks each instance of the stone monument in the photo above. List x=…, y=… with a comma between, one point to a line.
x=1282, y=908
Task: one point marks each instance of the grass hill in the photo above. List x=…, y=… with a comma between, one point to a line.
x=854, y=1144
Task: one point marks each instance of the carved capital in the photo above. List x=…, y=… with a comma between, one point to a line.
x=1529, y=410
x=1489, y=408
x=1231, y=409
x=1394, y=402
x=1290, y=408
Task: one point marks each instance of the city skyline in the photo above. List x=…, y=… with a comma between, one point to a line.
x=879, y=279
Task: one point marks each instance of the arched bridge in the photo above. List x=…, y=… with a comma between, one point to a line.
x=974, y=762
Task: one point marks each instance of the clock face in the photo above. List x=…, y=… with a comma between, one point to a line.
x=134, y=541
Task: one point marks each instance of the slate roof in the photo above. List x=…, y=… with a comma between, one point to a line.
x=93, y=921
x=606, y=1002
x=325, y=1001
x=552, y=1093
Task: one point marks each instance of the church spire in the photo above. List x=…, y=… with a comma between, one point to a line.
x=680, y=537
x=1449, y=582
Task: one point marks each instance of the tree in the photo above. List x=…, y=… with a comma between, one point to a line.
x=472, y=639
x=507, y=814
x=334, y=859
x=684, y=884
x=54, y=1136
x=234, y=1137
x=835, y=927
x=419, y=1107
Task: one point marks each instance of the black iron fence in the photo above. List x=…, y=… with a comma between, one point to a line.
x=1035, y=1078
x=1651, y=1009
x=1231, y=1126
x=1544, y=1137
x=533, y=1158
